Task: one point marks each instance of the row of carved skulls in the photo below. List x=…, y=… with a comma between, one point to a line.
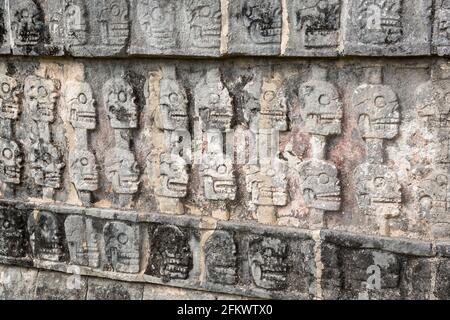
x=170, y=250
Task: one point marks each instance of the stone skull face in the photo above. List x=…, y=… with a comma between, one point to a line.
x=46, y=165
x=115, y=25
x=263, y=20
x=9, y=98
x=172, y=112
x=81, y=103
x=171, y=256
x=320, y=184
x=158, y=20
x=83, y=170
x=214, y=104
x=10, y=161
x=432, y=196
x=378, y=111
x=377, y=190
x=220, y=258
x=26, y=22
x=218, y=177
x=41, y=96
x=122, y=247
x=273, y=106
x=12, y=233
x=75, y=24
x=205, y=22
x=122, y=171
x=267, y=185
x=321, y=108
x=120, y=104
x=45, y=236
x=267, y=259
x=173, y=176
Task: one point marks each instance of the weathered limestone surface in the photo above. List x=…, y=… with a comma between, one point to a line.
x=127, y=174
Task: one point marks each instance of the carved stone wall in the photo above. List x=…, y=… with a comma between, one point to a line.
x=131, y=170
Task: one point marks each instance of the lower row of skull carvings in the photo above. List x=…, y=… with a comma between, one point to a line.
x=119, y=244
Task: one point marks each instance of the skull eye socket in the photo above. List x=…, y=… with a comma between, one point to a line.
x=322, y=5
x=122, y=238
x=25, y=14
x=447, y=97
x=122, y=96
x=84, y=161
x=324, y=178
x=379, y=182
x=222, y=169
x=324, y=100
x=269, y=95
x=174, y=98
x=205, y=11
x=7, y=153
x=42, y=91
x=6, y=88
x=157, y=13
x=82, y=98
x=214, y=98
x=115, y=10
x=380, y=102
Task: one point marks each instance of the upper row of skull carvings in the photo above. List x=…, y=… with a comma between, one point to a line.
x=266, y=106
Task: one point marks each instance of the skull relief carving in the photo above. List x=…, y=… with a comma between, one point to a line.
x=83, y=170
x=75, y=22
x=122, y=171
x=267, y=259
x=9, y=98
x=220, y=258
x=263, y=20
x=46, y=165
x=378, y=111
x=321, y=108
x=81, y=103
x=46, y=236
x=205, y=22
x=170, y=254
x=122, y=247
x=267, y=185
x=432, y=196
x=13, y=235
x=27, y=22
x=120, y=104
x=173, y=176
x=172, y=112
x=320, y=185
x=213, y=103
x=10, y=161
x=41, y=96
x=158, y=20
x=115, y=27
x=378, y=191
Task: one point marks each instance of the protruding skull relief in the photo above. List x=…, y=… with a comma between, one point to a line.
x=170, y=254
x=115, y=25
x=69, y=23
x=27, y=22
x=267, y=258
x=173, y=180
x=217, y=171
x=267, y=185
x=81, y=103
x=172, y=112
x=432, y=196
x=378, y=110
x=46, y=164
x=379, y=21
x=220, y=258
x=122, y=171
x=13, y=234
x=46, y=236
x=321, y=106
x=213, y=103
x=83, y=241
x=122, y=247
x=10, y=161
x=319, y=22
x=320, y=185
x=120, y=104
x=83, y=170
x=9, y=98
x=157, y=19
x=378, y=191
x=205, y=22
x=263, y=20
x=41, y=96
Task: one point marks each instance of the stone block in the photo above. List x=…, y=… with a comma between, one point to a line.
x=104, y=289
